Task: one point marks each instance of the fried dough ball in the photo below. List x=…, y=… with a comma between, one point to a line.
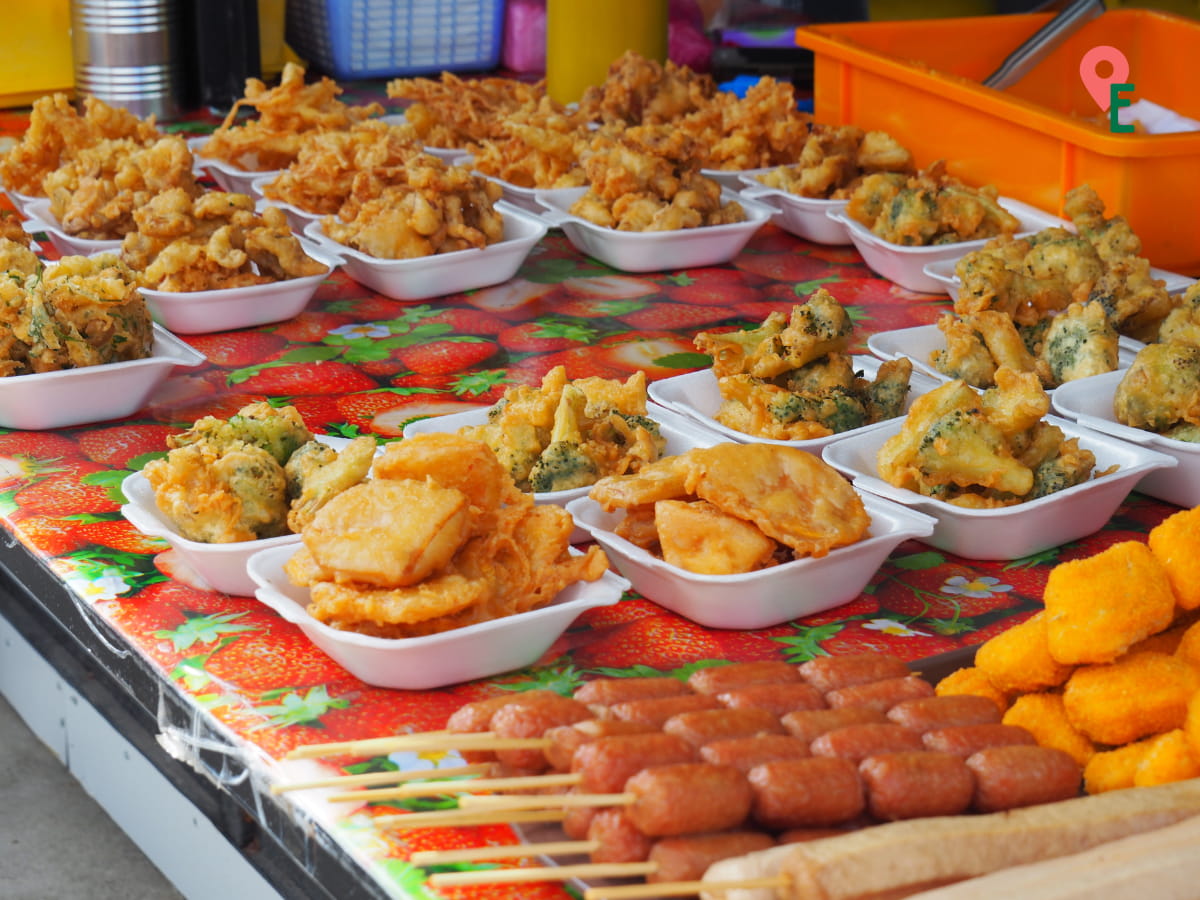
x=15, y=256
x=972, y=680
x=1168, y=758
x=279, y=431
x=1182, y=324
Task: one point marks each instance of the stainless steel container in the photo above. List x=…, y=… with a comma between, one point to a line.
x=129, y=53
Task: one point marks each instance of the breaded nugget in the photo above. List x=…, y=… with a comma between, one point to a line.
x=1019, y=660
x=1169, y=758
x=1114, y=770
x=1138, y=695
x=1191, y=723
x=1097, y=607
x=1043, y=716
x=1188, y=648
x=972, y=680
x=1176, y=543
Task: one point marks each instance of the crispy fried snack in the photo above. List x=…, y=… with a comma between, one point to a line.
x=213, y=241
x=1115, y=769
x=928, y=208
x=1138, y=695
x=450, y=111
x=972, y=680
x=834, y=159
x=1168, y=758
x=699, y=537
x=478, y=549
x=984, y=451
x=84, y=311
x=1097, y=607
x=567, y=434
x=1188, y=648
x=1160, y=391
x=286, y=112
x=640, y=91
x=1182, y=324
x=791, y=496
x=1045, y=717
x=1018, y=660
x=538, y=146
x=795, y=381
x=321, y=177
x=1175, y=542
x=57, y=133
x=422, y=208
x=11, y=232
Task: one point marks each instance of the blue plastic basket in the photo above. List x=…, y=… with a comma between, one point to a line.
x=351, y=39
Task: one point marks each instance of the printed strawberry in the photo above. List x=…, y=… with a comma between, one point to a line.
x=119, y=534
x=579, y=363
x=747, y=646
x=515, y=298
x=544, y=336
x=675, y=316
x=842, y=255
x=372, y=308
x=239, y=348
x=610, y=287
x=317, y=410
x=791, y=266
x=710, y=287
x=597, y=308
x=120, y=445
x=170, y=620
x=47, y=535
x=861, y=606
x=480, y=386
x=71, y=494
x=460, y=320
x=41, y=445
x=658, y=357
x=324, y=377
x=628, y=610
x=661, y=642
x=222, y=406
x=267, y=660
x=440, y=357
x=887, y=636
x=387, y=412
x=311, y=326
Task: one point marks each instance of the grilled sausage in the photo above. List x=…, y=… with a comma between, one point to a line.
x=1022, y=775
x=619, y=840
x=475, y=717
x=857, y=742
x=832, y=673
x=747, y=752
x=687, y=858
x=912, y=785
x=654, y=711
x=687, y=798
x=533, y=719
x=704, y=726
x=810, y=724
x=931, y=713
x=606, y=763
x=964, y=740
x=778, y=698
x=564, y=740
x=718, y=679
x=803, y=793
x=607, y=691
x=881, y=695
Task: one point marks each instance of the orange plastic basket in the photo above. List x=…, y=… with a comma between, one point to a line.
x=920, y=81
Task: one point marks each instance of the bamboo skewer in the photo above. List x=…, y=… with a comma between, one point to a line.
x=372, y=778
x=543, y=873
x=680, y=888
x=437, y=788
x=426, y=740
x=472, y=854
x=454, y=818
x=542, y=801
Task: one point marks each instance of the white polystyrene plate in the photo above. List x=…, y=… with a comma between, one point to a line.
x=1089, y=401
x=653, y=251
x=298, y=219
x=69, y=397
x=523, y=197
x=229, y=177
x=698, y=396
x=906, y=265
x=919, y=342
x=805, y=217
x=768, y=596
x=1011, y=532
x=229, y=309
x=40, y=219
x=943, y=272
x=20, y=201
x=436, y=660
x=442, y=273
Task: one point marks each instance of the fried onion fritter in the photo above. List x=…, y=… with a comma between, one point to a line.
x=455, y=112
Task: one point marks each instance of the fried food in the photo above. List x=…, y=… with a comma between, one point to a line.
x=1160, y=391
x=791, y=496
x=1018, y=660
x=84, y=311
x=1138, y=695
x=1045, y=717
x=791, y=379
x=699, y=537
x=1175, y=543
x=834, y=159
x=424, y=207
x=213, y=241
x=286, y=113
x=57, y=133
x=1182, y=324
x=408, y=553
x=640, y=91
x=455, y=112
x=254, y=475
x=96, y=194
x=984, y=451
x=928, y=208
x=536, y=147
x=568, y=434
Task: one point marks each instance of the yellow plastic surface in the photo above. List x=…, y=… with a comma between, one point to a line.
x=583, y=37
x=37, y=53
x=919, y=81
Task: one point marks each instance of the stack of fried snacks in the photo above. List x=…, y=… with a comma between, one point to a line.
x=57, y=133
x=439, y=538
x=84, y=311
x=424, y=207
x=928, y=208
x=987, y=450
x=455, y=112
x=567, y=434
x=259, y=474
x=1110, y=671
x=640, y=91
x=539, y=146
x=791, y=378
x=286, y=113
x=214, y=241
x=735, y=507
x=833, y=160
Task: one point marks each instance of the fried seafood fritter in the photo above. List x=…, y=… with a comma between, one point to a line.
x=834, y=159
x=450, y=111
x=440, y=538
x=424, y=207
x=57, y=133
x=537, y=146
x=213, y=241
x=83, y=311
x=640, y=91
x=286, y=113
x=790, y=496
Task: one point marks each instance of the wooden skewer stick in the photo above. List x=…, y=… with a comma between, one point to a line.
x=543, y=801
x=680, y=888
x=427, y=740
x=395, y=777
x=437, y=788
x=471, y=854
x=453, y=818
x=543, y=873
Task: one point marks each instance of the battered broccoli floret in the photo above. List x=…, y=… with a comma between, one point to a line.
x=887, y=393
x=836, y=409
x=278, y=431
x=1080, y=342
x=1033, y=336
x=1056, y=474
x=562, y=466
x=831, y=370
x=1184, y=431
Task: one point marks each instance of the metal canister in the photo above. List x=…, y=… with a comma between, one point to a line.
x=129, y=53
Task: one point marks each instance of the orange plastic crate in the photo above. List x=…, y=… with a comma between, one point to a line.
x=920, y=81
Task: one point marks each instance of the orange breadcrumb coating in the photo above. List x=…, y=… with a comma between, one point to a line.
x=1138, y=695
x=1098, y=606
x=1176, y=543
x=1191, y=724
x=1019, y=660
x=1163, y=642
x=972, y=680
x=1169, y=759
x=1114, y=770
x=1044, y=716
x=1188, y=648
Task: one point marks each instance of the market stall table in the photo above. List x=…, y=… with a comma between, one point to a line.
x=217, y=689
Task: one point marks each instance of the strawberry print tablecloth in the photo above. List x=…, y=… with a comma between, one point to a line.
x=357, y=363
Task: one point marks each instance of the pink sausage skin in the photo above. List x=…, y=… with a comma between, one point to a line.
x=916, y=784
x=1022, y=775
